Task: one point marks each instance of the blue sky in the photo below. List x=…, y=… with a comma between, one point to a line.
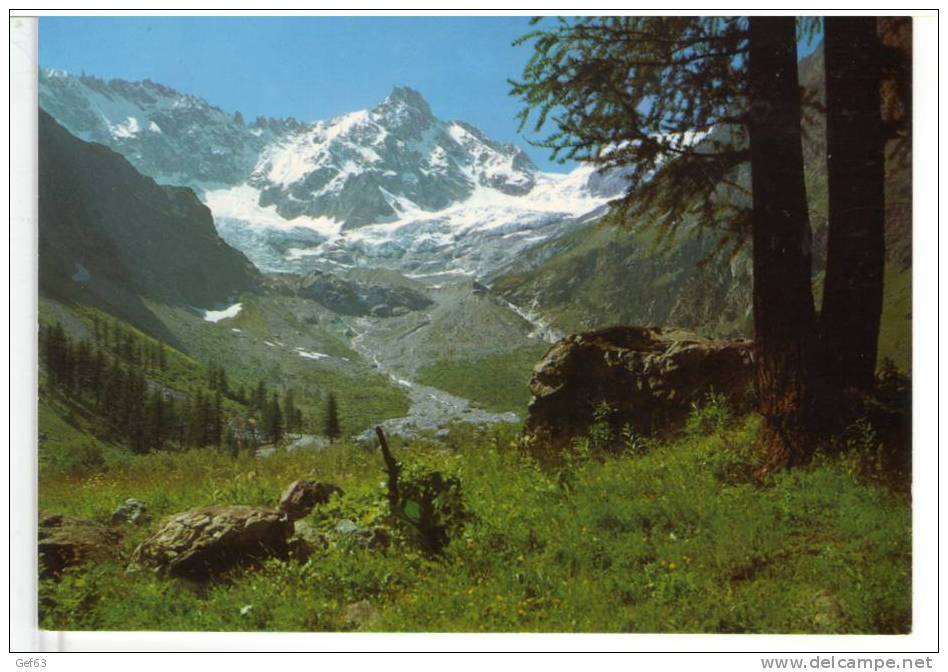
x=309, y=67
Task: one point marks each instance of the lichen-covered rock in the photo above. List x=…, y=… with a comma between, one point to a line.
x=648, y=377
x=204, y=542
x=65, y=542
x=131, y=511
x=301, y=497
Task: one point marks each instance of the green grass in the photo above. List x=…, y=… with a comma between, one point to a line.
x=895, y=332
x=677, y=539
x=496, y=382
x=68, y=444
x=251, y=318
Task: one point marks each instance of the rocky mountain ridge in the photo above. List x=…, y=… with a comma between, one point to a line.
x=391, y=186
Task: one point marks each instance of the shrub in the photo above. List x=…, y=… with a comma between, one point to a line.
x=431, y=506
x=714, y=415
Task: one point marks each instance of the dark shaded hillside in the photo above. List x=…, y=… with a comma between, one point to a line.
x=112, y=237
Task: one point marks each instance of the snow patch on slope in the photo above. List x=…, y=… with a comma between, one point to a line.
x=127, y=129
x=225, y=314
x=311, y=355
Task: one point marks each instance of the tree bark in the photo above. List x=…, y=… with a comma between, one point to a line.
x=784, y=320
x=855, y=145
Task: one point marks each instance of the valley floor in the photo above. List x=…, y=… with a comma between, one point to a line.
x=670, y=537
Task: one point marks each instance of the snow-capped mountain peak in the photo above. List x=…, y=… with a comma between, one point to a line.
x=392, y=184
x=404, y=109
x=369, y=167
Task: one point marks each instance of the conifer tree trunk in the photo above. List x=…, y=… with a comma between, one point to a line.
x=784, y=321
x=855, y=145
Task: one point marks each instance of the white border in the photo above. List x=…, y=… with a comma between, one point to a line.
x=23, y=307
x=22, y=332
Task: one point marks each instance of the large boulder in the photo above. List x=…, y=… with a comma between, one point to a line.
x=301, y=497
x=649, y=377
x=65, y=542
x=204, y=542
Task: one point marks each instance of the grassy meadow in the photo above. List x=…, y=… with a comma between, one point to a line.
x=670, y=537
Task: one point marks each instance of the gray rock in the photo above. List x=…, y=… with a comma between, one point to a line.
x=308, y=442
x=649, y=378
x=301, y=497
x=132, y=511
x=206, y=541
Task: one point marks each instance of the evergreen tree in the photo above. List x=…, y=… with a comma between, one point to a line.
x=259, y=399
x=136, y=390
x=114, y=392
x=83, y=367
x=298, y=420
x=784, y=316
x=217, y=420
x=230, y=442
x=331, y=426
x=98, y=376
x=682, y=104
x=289, y=410
x=274, y=419
x=128, y=347
x=57, y=357
x=156, y=421
x=198, y=422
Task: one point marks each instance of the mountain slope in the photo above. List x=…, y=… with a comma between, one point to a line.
x=173, y=137
x=111, y=236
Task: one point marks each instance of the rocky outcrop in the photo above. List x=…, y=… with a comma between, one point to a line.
x=66, y=542
x=351, y=297
x=204, y=542
x=301, y=497
x=648, y=377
